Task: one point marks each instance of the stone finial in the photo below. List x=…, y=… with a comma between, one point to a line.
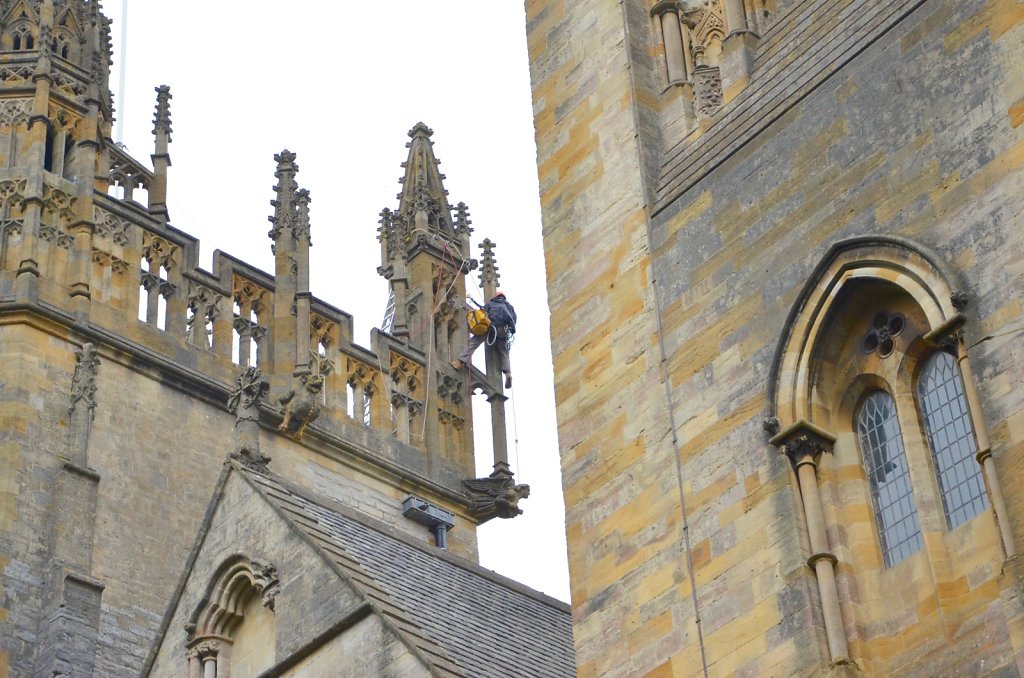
x=285, y=163
x=386, y=221
x=488, y=265
x=386, y=234
x=244, y=403
x=284, y=203
x=496, y=496
x=423, y=204
x=302, y=224
x=83, y=383
x=420, y=130
x=162, y=115
x=462, y=221
x=244, y=400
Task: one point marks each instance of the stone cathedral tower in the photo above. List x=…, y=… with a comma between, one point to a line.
x=784, y=242
x=135, y=386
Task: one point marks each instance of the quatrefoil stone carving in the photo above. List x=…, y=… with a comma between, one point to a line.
x=885, y=327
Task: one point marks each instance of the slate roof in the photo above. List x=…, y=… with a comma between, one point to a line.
x=807, y=45
x=464, y=620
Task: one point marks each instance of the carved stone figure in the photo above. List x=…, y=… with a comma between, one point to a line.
x=496, y=496
x=244, y=403
x=266, y=583
x=301, y=408
x=83, y=383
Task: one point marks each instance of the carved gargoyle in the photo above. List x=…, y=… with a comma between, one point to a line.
x=496, y=496
x=301, y=408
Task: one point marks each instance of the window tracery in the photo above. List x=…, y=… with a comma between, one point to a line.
x=885, y=327
x=951, y=438
x=873, y=357
x=64, y=45
x=881, y=443
x=22, y=37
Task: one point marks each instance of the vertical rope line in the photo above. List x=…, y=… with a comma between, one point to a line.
x=432, y=343
x=680, y=479
x=515, y=432
x=124, y=72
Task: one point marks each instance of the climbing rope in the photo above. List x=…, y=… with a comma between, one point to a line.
x=439, y=297
x=432, y=344
x=515, y=433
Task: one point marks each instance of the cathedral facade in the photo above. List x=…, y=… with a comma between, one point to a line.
x=785, y=254
x=201, y=473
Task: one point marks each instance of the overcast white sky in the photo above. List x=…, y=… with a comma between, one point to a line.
x=340, y=84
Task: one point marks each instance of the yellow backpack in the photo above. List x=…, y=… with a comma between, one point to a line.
x=478, y=322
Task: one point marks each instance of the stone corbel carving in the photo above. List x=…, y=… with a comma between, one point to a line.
x=266, y=582
x=83, y=383
x=83, y=392
x=301, y=407
x=244, y=403
x=496, y=496
x=708, y=90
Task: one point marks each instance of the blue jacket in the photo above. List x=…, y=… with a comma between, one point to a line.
x=502, y=315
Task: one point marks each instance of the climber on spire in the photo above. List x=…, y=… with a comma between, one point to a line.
x=503, y=325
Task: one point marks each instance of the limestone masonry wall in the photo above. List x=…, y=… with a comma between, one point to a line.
x=858, y=119
x=119, y=354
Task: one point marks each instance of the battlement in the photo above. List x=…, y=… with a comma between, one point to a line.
x=104, y=264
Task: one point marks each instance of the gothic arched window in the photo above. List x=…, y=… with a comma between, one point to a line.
x=233, y=630
x=881, y=443
x=22, y=37
x=62, y=45
x=947, y=422
x=873, y=398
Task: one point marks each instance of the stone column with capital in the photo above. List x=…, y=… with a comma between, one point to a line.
x=738, y=49
x=667, y=14
x=804, y=444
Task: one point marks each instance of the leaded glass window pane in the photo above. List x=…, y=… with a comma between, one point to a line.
x=881, y=444
x=951, y=438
